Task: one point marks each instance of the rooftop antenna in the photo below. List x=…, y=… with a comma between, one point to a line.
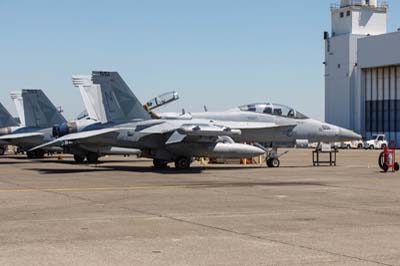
x=205, y=108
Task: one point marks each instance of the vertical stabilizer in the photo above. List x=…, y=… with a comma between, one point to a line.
x=16, y=96
x=39, y=111
x=6, y=119
x=91, y=96
x=119, y=102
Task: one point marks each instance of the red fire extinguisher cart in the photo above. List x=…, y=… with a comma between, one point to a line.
x=387, y=159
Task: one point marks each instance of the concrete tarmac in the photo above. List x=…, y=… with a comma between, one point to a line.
x=121, y=212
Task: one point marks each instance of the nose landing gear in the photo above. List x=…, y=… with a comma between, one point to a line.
x=273, y=162
x=272, y=156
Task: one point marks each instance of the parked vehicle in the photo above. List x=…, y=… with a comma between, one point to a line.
x=377, y=142
x=357, y=144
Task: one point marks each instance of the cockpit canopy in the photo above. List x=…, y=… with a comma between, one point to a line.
x=273, y=109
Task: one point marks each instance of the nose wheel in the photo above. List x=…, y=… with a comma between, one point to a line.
x=273, y=163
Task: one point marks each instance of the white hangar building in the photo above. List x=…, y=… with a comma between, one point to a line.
x=362, y=70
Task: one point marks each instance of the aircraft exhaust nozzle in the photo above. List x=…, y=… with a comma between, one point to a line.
x=64, y=129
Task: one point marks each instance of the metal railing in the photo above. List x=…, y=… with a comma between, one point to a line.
x=379, y=5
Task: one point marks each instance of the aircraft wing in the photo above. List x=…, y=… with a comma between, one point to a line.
x=85, y=135
x=201, y=131
x=252, y=125
x=32, y=136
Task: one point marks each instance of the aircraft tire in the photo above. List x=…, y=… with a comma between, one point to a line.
x=2, y=150
x=273, y=163
x=160, y=164
x=31, y=155
x=182, y=163
x=92, y=157
x=79, y=158
x=39, y=154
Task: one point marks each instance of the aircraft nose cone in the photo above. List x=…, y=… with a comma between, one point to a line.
x=348, y=135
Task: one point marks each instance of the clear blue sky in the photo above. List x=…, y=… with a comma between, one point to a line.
x=221, y=53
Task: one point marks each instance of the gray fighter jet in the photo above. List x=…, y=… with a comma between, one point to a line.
x=37, y=116
x=7, y=125
x=277, y=124
x=255, y=123
x=129, y=125
x=95, y=115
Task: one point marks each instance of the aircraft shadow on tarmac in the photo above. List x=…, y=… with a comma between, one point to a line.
x=142, y=169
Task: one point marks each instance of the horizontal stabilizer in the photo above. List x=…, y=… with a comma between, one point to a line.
x=80, y=136
x=21, y=136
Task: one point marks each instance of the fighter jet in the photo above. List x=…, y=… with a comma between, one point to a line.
x=7, y=125
x=257, y=123
x=277, y=124
x=130, y=125
x=37, y=116
x=95, y=115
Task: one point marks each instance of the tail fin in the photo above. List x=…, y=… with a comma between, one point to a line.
x=6, y=119
x=119, y=102
x=91, y=96
x=38, y=110
x=19, y=105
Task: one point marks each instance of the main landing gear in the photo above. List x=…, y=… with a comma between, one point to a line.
x=181, y=163
x=160, y=164
x=2, y=150
x=36, y=154
x=91, y=158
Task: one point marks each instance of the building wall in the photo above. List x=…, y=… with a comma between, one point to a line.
x=379, y=64
x=360, y=21
x=381, y=87
x=381, y=50
x=340, y=80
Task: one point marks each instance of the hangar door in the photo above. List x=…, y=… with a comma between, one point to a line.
x=382, y=102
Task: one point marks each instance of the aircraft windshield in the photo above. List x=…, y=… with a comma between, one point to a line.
x=273, y=109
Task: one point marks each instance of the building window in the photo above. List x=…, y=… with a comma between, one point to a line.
x=339, y=66
x=341, y=14
x=348, y=13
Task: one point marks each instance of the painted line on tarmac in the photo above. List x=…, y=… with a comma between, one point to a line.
x=101, y=188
